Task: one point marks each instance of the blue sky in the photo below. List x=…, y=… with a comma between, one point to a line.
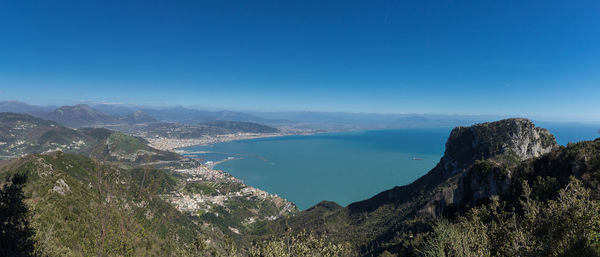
x=534, y=58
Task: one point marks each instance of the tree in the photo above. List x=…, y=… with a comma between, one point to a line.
x=567, y=225
x=16, y=236
x=301, y=244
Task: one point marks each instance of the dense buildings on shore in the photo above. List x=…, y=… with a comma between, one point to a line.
x=172, y=144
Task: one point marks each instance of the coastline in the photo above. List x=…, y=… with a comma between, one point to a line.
x=176, y=145
x=196, y=203
x=212, y=165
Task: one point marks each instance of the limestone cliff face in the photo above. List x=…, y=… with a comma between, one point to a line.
x=459, y=175
x=479, y=159
x=517, y=137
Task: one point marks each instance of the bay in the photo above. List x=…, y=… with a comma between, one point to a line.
x=348, y=166
x=341, y=167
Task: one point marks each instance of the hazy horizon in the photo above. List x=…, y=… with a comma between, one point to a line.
x=282, y=113
x=532, y=59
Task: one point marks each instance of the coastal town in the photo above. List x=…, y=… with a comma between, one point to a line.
x=173, y=144
x=207, y=191
x=204, y=190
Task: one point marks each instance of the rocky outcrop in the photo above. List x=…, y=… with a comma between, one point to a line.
x=479, y=160
x=501, y=142
x=517, y=137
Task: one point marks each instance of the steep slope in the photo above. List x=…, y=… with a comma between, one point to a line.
x=546, y=206
x=23, y=134
x=125, y=148
x=80, y=207
x=79, y=116
x=221, y=205
x=393, y=219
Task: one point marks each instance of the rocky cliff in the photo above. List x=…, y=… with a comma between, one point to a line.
x=478, y=163
x=479, y=160
x=519, y=138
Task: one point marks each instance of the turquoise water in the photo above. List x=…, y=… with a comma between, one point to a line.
x=571, y=132
x=346, y=167
x=340, y=167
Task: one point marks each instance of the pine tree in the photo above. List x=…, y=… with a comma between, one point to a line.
x=16, y=236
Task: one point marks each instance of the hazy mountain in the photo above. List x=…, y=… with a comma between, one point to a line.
x=240, y=126
x=116, y=109
x=211, y=128
x=24, y=134
x=138, y=117
x=193, y=116
x=79, y=116
x=354, y=121
x=105, y=114
x=20, y=107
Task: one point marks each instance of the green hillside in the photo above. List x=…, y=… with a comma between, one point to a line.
x=81, y=207
x=114, y=195
x=22, y=134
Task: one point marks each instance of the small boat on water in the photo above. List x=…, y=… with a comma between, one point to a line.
x=417, y=159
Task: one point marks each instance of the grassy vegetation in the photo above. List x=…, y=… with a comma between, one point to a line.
x=204, y=188
x=125, y=143
x=568, y=225
x=80, y=207
x=212, y=188
x=299, y=245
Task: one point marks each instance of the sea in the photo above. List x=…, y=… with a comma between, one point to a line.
x=346, y=166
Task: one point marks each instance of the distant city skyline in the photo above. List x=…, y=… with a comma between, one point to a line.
x=534, y=59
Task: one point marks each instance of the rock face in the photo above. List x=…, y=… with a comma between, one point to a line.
x=479, y=160
x=517, y=137
x=500, y=142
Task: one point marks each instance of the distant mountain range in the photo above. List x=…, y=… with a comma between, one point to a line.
x=177, y=122
x=160, y=120
x=138, y=117
x=86, y=115
x=119, y=114
x=22, y=134
x=79, y=116
x=20, y=107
